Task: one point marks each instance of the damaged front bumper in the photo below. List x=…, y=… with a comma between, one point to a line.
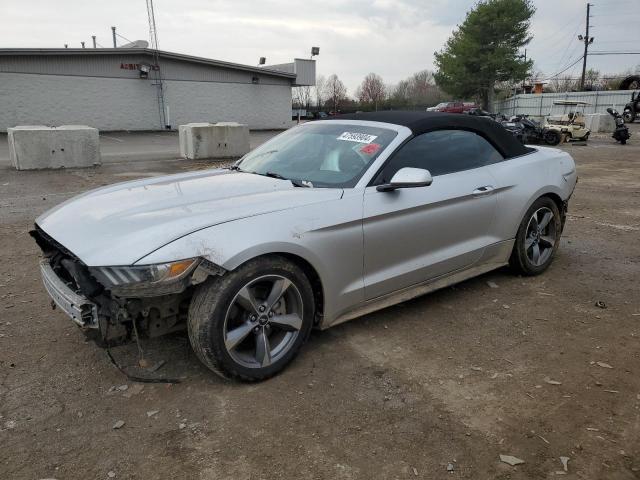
x=114, y=304
x=82, y=311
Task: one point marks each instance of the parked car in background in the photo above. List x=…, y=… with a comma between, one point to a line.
x=450, y=107
x=466, y=106
x=436, y=107
x=326, y=222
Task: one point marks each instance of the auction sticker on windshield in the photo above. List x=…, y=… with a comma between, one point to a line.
x=357, y=137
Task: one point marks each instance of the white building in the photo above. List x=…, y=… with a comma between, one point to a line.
x=135, y=89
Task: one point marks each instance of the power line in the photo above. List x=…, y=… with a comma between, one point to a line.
x=564, y=56
x=124, y=38
x=616, y=3
x=616, y=24
x=619, y=14
x=569, y=53
x=562, y=71
x=559, y=36
x=614, y=53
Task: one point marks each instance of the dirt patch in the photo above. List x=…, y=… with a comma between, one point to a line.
x=450, y=380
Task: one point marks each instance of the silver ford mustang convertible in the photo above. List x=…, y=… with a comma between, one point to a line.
x=326, y=222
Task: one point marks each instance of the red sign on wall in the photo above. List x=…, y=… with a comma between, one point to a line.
x=136, y=66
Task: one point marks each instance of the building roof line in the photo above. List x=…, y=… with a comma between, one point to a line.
x=142, y=51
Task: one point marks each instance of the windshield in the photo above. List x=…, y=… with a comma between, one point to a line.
x=319, y=155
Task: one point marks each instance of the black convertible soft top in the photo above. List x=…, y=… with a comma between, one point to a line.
x=422, y=122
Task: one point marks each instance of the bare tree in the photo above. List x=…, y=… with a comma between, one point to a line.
x=421, y=83
x=562, y=84
x=335, y=91
x=423, y=89
x=417, y=91
x=592, y=79
x=371, y=90
x=401, y=93
x=302, y=97
x=319, y=91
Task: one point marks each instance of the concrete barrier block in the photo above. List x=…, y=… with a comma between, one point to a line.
x=213, y=140
x=600, y=122
x=33, y=147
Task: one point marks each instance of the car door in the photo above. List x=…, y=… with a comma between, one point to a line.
x=416, y=234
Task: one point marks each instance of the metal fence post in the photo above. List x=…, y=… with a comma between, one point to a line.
x=540, y=111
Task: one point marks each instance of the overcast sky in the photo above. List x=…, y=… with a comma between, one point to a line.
x=393, y=38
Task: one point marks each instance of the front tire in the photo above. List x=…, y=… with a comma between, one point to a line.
x=538, y=238
x=250, y=323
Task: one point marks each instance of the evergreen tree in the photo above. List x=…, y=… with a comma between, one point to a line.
x=485, y=49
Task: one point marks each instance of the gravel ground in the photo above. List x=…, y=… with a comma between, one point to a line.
x=528, y=367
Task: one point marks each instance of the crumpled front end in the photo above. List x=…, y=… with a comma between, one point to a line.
x=105, y=306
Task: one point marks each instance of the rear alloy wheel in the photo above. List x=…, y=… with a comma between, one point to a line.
x=538, y=238
x=250, y=323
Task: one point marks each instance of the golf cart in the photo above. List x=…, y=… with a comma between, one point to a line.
x=570, y=125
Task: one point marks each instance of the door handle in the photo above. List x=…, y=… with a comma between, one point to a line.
x=481, y=191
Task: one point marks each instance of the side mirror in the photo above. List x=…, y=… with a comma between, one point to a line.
x=407, y=177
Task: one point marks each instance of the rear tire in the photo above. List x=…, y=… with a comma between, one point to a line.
x=251, y=322
x=551, y=138
x=538, y=238
x=628, y=116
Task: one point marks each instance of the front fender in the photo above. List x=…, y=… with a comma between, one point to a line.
x=328, y=236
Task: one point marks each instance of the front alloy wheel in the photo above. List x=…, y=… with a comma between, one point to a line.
x=263, y=321
x=251, y=322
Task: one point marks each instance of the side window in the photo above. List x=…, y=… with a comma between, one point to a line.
x=442, y=152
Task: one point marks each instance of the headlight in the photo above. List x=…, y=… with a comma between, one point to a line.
x=145, y=280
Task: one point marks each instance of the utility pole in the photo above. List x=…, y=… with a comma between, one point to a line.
x=525, y=78
x=587, y=41
x=153, y=36
x=113, y=33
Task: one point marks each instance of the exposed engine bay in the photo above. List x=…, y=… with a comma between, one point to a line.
x=116, y=319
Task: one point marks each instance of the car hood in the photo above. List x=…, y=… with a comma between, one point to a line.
x=120, y=224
